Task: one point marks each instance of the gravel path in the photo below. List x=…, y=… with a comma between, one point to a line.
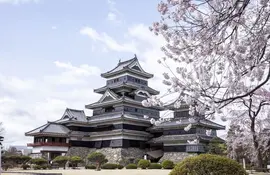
x=93, y=172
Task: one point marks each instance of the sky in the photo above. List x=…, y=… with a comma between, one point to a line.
x=52, y=53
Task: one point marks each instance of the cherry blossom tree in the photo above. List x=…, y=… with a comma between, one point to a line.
x=222, y=57
x=251, y=123
x=220, y=47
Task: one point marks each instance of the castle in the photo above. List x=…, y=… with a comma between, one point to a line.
x=119, y=128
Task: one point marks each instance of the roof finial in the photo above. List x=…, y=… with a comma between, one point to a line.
x=120, y=60
x=135, y=56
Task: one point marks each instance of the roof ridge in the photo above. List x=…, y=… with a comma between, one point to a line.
x=80, y=110
x=131, y=60
x=36, y=128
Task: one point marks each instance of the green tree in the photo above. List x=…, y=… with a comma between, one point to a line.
x=98, y=158
x=74, y=160
x=217, y=147
x=61, y=160
x=39, y=161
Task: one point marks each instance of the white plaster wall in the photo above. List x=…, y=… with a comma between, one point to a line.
x=49, y=148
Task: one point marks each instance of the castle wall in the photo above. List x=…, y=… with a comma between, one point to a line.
x=114, y=155
x=175, y=156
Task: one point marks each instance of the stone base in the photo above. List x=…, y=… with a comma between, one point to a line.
x=175, y=156
x=114, y=155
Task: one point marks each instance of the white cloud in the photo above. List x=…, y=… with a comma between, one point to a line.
x=109, y=42
x=114, y=14
x=110, y=2
x=28, y=103
x=15, y=83
x=17, y=2
x=91, y=33
x=82, y=70
x=111, y=16
x=53, y=27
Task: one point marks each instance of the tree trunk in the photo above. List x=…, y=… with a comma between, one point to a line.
x=98, y=167
x=258, y=156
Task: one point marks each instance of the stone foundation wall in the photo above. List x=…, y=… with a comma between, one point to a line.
x=114, y=155
x=79, y=151
x=175, y=156
x=133, y=153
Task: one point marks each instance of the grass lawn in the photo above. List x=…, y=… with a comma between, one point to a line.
x=93, y=172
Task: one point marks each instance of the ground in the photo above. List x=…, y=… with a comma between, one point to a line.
x=102, y=172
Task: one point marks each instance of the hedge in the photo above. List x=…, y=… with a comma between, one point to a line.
x=119, y=166
x=92, y=167
x=109, y=166
x=208, y=164
x=167, y=164
x=131, y=166
x=155, y=166
x=37, y=167
x=143, y=164
x=25, y=166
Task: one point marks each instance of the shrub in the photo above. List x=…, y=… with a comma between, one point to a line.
x=208, y=164
x=25, y=166
x=91, y=167
x=143, y=164
x=74, y=160
x=44, y=167
x=109, y=166
x=167, y=164
x=97, y=157
x=155, y=166
x=39, y=161
x=37, y=167
x=119, y=166
x=6, y=166
x=61, y=160
x=136, y=161
x=124, y=162
x=131, y=166
x=49, y=167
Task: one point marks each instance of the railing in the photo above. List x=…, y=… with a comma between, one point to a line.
x=47, y=144
x=194, y=148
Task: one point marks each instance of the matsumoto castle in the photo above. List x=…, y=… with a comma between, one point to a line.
x=118, y=127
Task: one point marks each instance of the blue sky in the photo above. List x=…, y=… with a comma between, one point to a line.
x=35, y=33
x=53, y=51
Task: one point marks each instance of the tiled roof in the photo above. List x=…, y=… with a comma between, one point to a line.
x=74, y=114
x=175, y=123
x=166, y=138
x=122, y=65
x=127, y=84
x=127, y=65
x=116, y=115
x=49, y=128
x=119, y=100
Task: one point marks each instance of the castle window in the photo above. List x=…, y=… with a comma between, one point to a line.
x=109, y=109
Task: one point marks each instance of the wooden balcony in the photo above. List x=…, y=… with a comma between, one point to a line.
x=47, y=144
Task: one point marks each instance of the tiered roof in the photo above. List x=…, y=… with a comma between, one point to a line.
x=175, y=124
x=74, y=114
x=125, y=85
x=131, y=66
x=49, y=129
x=56, y=128
x=109, y=97
x=182, y=137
